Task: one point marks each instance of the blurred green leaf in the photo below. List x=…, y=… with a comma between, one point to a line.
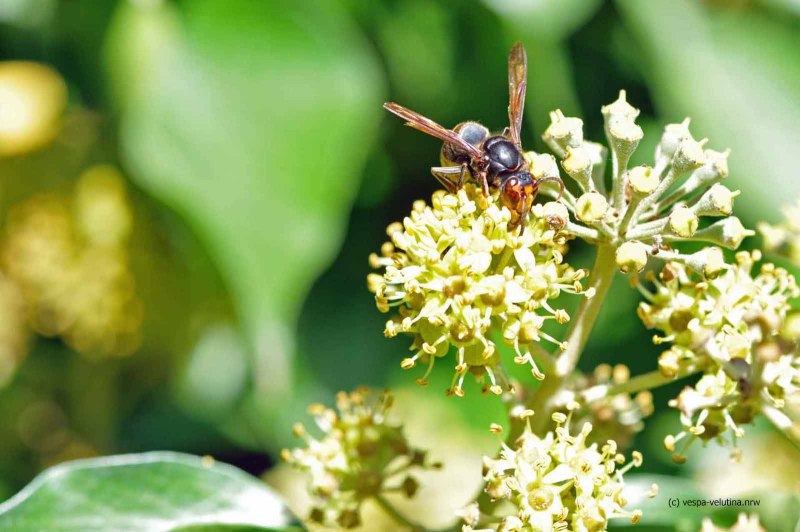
x=543, y=27
x=735, y=76
x=549, y=20
x=419, y=50
x=253, y=121
x=152, y=491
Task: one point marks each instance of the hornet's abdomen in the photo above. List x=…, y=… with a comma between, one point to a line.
x=472, y=132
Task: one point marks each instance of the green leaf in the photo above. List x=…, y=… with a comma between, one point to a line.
x=151, y=491
x=253, y=121
x=736, y=74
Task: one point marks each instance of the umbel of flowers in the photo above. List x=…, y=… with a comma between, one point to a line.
x=457, y=275
x=558, y=481
x=650, y=207
x=360, y=455
x=454, y=270
x=726, y=327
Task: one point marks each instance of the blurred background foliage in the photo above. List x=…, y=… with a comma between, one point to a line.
x=190, y=189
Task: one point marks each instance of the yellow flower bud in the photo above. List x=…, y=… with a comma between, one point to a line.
x=683, y=222
x=591, y=207
x=631, y=257
x=642, y=180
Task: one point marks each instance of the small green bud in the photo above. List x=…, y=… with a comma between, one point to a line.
x=591, y=207
x=683, y=222
x=717, y=201
x=620, y=109
x=543, y=165
x=625, y=131
x=631, y=256
x=578, y=166
x=673, y=135
x=689, y=156
x=642, y=180
x=709, y=261
x=563, y=131
x=728, y=232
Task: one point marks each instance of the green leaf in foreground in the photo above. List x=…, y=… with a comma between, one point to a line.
x=156, y=491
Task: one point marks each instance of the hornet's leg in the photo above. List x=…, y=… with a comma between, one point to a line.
x=462, y=175
x=446, y=175
x=483, y=178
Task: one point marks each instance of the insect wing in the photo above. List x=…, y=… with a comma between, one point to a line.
x=426, y=125
x=517, y=80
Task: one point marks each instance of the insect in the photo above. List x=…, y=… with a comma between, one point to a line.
x=494, y=161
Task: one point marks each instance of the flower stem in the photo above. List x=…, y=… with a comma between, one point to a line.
x=602, y=275
x=645, y=381
x=784, y=423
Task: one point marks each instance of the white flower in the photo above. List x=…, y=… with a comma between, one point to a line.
x=559, y=481
x=456, y=269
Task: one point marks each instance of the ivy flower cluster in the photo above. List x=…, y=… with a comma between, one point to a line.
x=69, y=258
x=556, y=482
x=458, y=276
x=648, y=208
x=14, y=332
x=455, y=270
x=727, y=328
x=360, y=455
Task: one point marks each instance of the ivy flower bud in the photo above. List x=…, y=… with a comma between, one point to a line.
x=689, y=156
x=784, y=238
x=563, y=132
x=591, y=207
x=728, y=232
x=578, y=166
x=708, y=261
x=616, y=418
x=543, y=165
x=673, y=135
x=622, y=132
x=620, y=109
x=642, y=180
x=716, y=166
x=683, y=222
x=717, y=201
x=358, y=456
x=627, y=134
x=631, y=256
